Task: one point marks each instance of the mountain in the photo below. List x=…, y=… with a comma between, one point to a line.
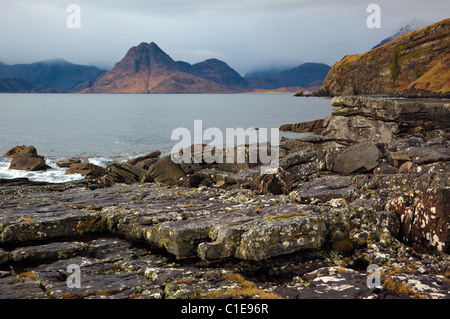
x=413, y=26
x=416, y=64
x=19, y=85
x=148, y=69
x=306, y=75
x=271, y=72
x=55, y=74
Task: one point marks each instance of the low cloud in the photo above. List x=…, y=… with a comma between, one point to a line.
x=243, y=33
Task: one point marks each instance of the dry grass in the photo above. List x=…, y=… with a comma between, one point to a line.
x=29, y=274
x=400, y=270
x=247, y=290
x=397, y=288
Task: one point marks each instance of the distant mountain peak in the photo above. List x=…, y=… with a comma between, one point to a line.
x=414, y=25
x=305, y=75
x=146, y=68
x=55, y=61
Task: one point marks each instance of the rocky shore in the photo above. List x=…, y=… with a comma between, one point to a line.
x=370, y=188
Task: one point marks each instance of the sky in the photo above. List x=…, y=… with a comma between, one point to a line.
x=247, y=34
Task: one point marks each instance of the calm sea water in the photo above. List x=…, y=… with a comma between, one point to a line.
x=109, y=127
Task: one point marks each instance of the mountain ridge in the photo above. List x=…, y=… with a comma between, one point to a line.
x=413, y=65
x=410, y=27
x=57, y=74
x=307, y=75
x=148, y=69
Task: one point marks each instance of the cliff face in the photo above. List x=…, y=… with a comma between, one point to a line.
x=416, y=64
x=148, y=69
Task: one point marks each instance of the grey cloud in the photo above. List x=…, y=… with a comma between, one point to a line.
x=244, y=33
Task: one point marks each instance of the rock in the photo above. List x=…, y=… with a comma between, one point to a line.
x=424, y=155
x=147, y=163
x=315, y=127
x=90, y=171
x=432, y=168
x=302, y=165
x=385, y=168
x=26, y=158
x=4, y=257
x=297, y=158
x=18, y=151
x=29, y=163
x=357, y=129
x=360, y=156
x=282, y=236
x=323, y=152
x=327, y=189
x=277, y=183
x=239, y=243
x=374, y=108
x=138, y=161
x=440, y=142
x=164, y=171
x=405, y=168
x=19, y=182
x=73, y=160
x=243, y=178
x=404, y=145
x=122, y=173
x=305, y=172
x=204, y=177
x=357, y=119
x=249, y=159
x=52, y=251
x=427, y=222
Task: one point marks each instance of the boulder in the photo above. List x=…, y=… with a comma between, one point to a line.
x=405, y=168
x=277, y=183
x=26, y=158
x=18, y=151
x=66, y=163
x=29, y=163
x=377, y=109
x=204, y=177
x=297, y=158
x=361, y=156
x=243, y=179
x=424, y=155
x=90, y=171
x=315, y=127
x=143, y=160
x=122, y=173
x=312, y=149
x=327, y=189
x=385, y=168
x=425, y=223
x=164, y=171
x=356, y=129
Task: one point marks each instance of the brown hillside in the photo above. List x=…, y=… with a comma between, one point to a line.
x=147, y=69
x=416, y=64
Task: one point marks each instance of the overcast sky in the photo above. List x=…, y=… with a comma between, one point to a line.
x=247, y=34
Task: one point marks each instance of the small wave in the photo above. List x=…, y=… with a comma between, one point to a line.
x=100, y=161
x=54, y=175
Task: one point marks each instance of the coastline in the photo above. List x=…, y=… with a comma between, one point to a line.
x=335, y=206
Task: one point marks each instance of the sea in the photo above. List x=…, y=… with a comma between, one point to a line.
x=117, y=127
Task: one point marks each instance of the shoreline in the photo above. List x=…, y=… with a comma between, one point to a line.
x=338, y=202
